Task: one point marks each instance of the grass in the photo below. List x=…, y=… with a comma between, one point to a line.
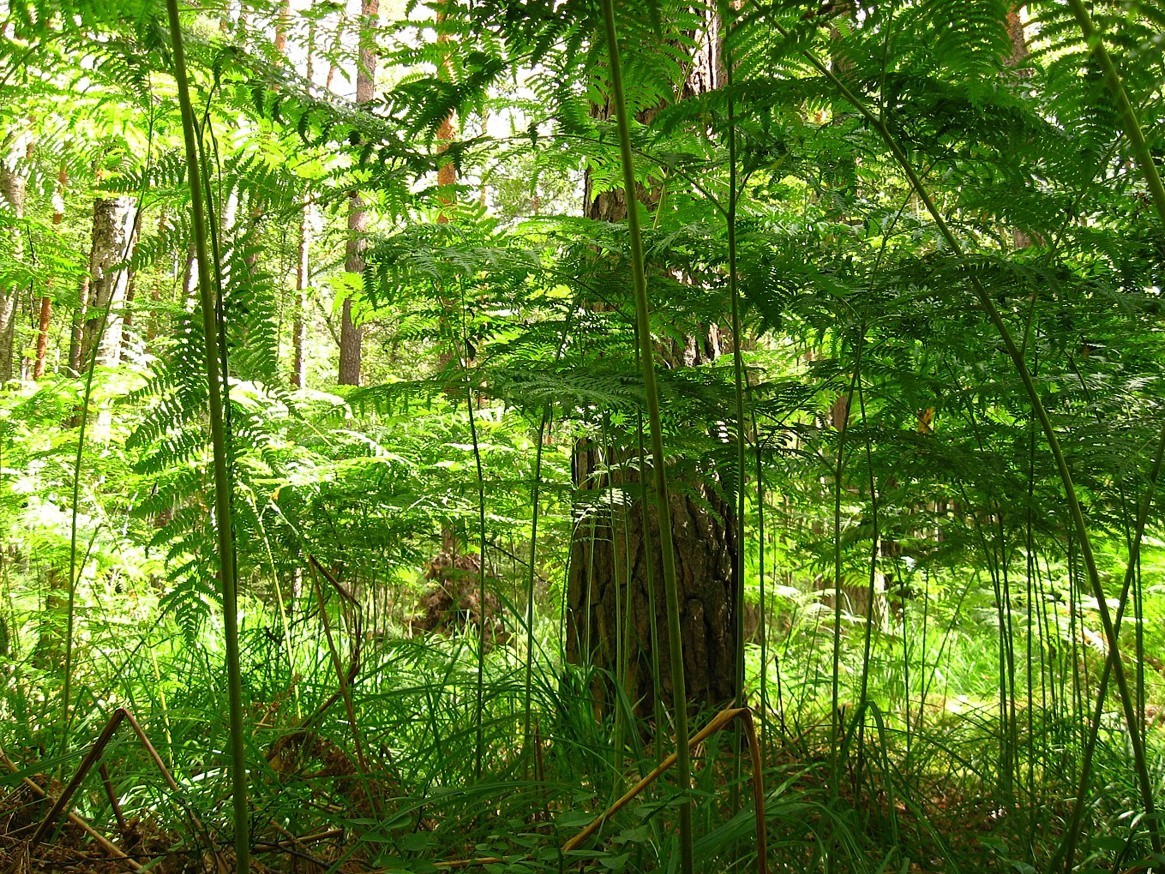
x=919, y=796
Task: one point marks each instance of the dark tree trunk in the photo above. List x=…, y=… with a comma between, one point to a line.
x=611, y=561
x=615, y=600
x=352, y=334
x=77, y=329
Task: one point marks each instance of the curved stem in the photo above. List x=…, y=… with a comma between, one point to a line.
x=1071, y=498
x=218, y=437
x=659, y=461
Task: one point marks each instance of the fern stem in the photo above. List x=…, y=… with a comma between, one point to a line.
x=724, y=10
x=1072, y=499
x=659, y=461
x=535, y=507
x=479, y=704
x=218, y=437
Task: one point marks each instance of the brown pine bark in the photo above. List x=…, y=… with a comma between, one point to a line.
x=77, y=328
x=615, y=558
x=282, y=22
x=351, y=334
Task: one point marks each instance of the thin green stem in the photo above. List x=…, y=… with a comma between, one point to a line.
x=1072, y=499
x=219, y=437
x=725, y=12
x=659, y=461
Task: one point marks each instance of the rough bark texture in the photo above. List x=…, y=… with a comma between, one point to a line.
x=45, y=316
x=611, y=561
x=12, y=191
x=109, y=278
x=616, y=566
x=44, y=321
x=77, y=328
x=351, y=334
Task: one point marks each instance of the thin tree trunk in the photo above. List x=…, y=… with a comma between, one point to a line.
x=13, y=184
x=446, y=179
x=77, y=329
x=113, y=225
x=351, y=334
x=45, y=316
x=282, y=21
x=302, y=283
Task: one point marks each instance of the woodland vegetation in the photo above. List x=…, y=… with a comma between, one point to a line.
x=421, y=425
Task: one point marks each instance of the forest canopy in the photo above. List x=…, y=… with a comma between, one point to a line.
x=539, y=436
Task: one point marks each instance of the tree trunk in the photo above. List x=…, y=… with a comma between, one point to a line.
x=12, y=189
x=45, y=316
x=303, y=244
x=616, y=612
x=612, y=572
x=282, y=22
x=351, y=334
x=109, y=278
x=302, y=283
x=77, y=329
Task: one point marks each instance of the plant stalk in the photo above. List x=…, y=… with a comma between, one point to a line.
x=1072, y=500
x=218, y=438
x=646, y=358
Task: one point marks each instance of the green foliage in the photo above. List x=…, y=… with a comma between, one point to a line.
x=895, y=445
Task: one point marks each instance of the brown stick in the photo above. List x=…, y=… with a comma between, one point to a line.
x=719, y=721
x=111, y=795
x=83, y=769
x=98, y=838
x=92, y=757
x=173, y=784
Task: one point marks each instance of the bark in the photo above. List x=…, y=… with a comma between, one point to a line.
x=302, y=283
x=45, y=316
x=616, y=565
x=612, y=561
x=12, y=190
x=109, y=279
x=77, y=329
x=44, y=321
x=1014, y=62
x=282, y=22
x=351, y=334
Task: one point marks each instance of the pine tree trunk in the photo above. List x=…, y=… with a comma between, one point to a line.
x=616, y=573
x=613, y=574
x=351, y=334
x=77, y=328
x=44, y=321
x=109, y=279
x=45, y=316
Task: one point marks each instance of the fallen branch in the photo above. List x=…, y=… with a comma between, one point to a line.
x=61, y=804
x=98, y=838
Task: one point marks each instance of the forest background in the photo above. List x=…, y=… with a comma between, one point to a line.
x=574, y=376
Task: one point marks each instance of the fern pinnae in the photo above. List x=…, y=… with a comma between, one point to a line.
x=1038, y=408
